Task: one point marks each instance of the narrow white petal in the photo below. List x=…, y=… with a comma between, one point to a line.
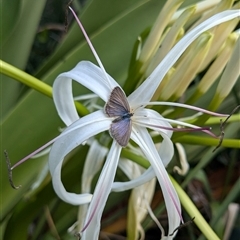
x=143, y=139
x=151, y=117
x=127, y=167
x=140, y=95
x=88, y=75
x=101, y=193
x=158, y=123
x=72, y=137
x=148, y=175
x=92, y=165
x=165, y=152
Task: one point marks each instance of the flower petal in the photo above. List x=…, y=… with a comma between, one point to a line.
x=87, y=74
x=93, y=163
x=73, y=136
x=127, y=167
x=165, y=152
x=148, y=175
x=140, y=95
x=101, y=192
x=152, y=117
x=141, y=136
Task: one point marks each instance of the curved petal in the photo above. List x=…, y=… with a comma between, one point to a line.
x=143, y=139
x=127, y=167
x=93, y=163
x=165, y=151
x=72, y=137
x=148, y=175
x=140, y=95
x=151, y=117
x=87, y=74
x=101, y=192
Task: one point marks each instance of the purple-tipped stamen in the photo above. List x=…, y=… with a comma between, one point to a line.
x=90, y=44
x=182, y=105
x=34, y=153
x=193, y=129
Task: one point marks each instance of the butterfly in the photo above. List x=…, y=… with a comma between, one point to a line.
x=118, y=106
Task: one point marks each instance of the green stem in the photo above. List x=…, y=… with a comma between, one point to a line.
x=216, y=120
x=33, y=83
x=25, y=78
x=193, y=212
x=231, y=197
x=207, y=141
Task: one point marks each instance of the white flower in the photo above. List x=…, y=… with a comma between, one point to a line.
x=80, y=129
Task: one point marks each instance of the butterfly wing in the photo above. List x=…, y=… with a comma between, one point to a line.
x=117, y=104
x=121, y=131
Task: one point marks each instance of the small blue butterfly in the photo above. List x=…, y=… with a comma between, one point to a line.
x=118, y=106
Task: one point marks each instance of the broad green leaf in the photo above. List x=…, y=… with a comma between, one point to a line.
x=105, y=13
x=9, y=15
x=24, y=130
x=113, y=39
x=18, y=45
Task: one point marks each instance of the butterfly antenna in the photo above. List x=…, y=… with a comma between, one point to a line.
x=91, y=46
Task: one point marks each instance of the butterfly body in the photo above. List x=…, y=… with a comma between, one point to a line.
x=118, y=106
x=123, y=117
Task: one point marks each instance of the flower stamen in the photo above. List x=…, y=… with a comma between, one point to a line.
x=182, y=105
x=191, y=128
x=10, y=171
x=91, y=46
x=182, y=225
x=222, y=125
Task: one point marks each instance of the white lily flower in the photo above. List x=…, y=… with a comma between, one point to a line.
x=80, y=129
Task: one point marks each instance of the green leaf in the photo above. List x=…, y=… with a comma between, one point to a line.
x=9, y=15
x=18, y=45
x=112, y=38
x=27, y=128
